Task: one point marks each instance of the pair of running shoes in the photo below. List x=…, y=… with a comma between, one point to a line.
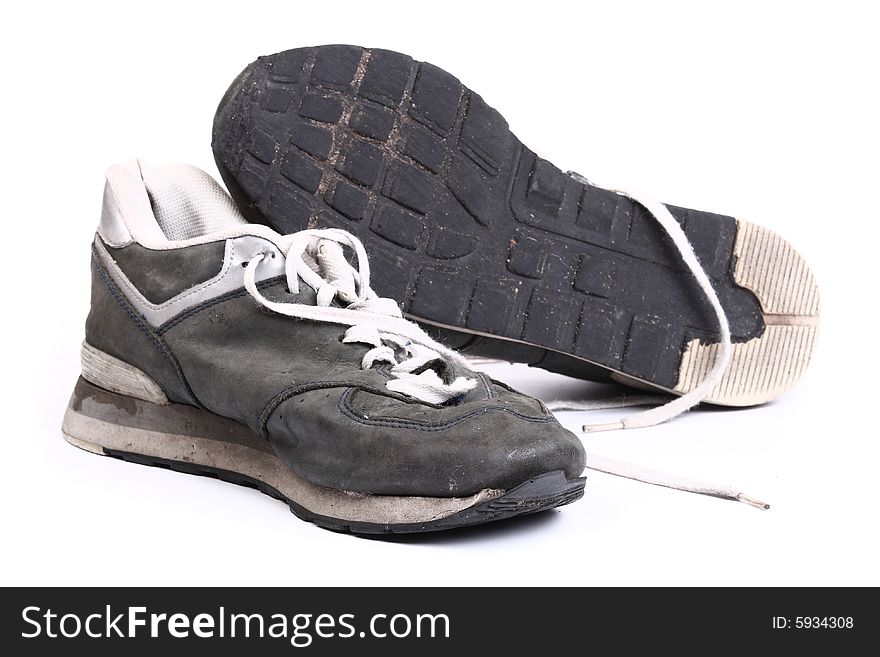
x=249, y=338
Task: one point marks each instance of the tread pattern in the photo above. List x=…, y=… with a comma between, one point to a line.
x=467, y=227
x=763, y=261
x=765, y=367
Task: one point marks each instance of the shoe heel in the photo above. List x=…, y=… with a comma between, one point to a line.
x=110, y=373
x=106, y=422
x=115, y=407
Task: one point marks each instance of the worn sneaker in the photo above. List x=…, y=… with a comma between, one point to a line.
x=504, y=253
x=217, y=347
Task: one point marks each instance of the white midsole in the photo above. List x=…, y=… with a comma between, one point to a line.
x=94, y=435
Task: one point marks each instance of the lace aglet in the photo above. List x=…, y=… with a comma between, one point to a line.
x=607, y=426
x=751, y=501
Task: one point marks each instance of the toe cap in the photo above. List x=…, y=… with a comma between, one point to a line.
x=401, y=448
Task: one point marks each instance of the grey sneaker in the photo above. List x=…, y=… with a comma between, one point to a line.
x=218, y=347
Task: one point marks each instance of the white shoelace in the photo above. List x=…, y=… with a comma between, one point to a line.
x=664, y=410
x=628, y=470
x=679, y=405
x=317, y=257
x=645, y=475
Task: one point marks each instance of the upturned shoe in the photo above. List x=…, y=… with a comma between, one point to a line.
x=501, y=252
x=218, y=347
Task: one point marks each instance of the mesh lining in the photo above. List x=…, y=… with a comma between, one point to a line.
x=187, y=202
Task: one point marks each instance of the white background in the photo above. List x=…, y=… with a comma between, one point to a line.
x=766, y=111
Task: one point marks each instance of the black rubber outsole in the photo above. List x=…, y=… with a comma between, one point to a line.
x=541, y=493
x=466, y=227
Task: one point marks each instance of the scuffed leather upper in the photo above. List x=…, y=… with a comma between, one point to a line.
x=332, y=422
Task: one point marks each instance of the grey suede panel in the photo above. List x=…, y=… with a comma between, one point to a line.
x=162, y=275
x=238, y=252
x=481, y=445
x=114, y=327
x=238, y=356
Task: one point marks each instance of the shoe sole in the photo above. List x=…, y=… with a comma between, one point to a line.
x=500, y=250
x=186, y=439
